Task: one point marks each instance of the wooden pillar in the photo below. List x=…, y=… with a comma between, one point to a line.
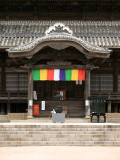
x=115, y=108
x=2, y=109
x=115, y=79
x=109, y=107
x=3, y=78
x=8, y=108
x=3, y=83
x=115, y=74
x=87, y=93
x=30, y=94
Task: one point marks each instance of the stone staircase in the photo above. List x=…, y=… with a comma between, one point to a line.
x=4, y=118
x=44, y=134
x=49, y=120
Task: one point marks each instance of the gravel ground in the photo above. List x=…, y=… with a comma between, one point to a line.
x=59, y=153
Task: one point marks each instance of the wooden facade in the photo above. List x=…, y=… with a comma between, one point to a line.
x=45, y=34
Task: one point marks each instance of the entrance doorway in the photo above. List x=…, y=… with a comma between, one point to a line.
x=73, y=98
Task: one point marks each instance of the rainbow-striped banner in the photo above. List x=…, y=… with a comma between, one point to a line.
x=59, y=75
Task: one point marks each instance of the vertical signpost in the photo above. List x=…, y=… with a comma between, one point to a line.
x=42, y=105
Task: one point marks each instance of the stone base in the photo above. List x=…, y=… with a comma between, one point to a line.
x=29, y=117
x=2, y=113
x=58, y=117
x=87, y=117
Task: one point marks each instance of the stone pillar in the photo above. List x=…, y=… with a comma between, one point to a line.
x=109, y=107
x=30, y=94
x=87, y=93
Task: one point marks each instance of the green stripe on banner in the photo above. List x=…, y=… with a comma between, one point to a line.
x=68, y=74
x=36, y=75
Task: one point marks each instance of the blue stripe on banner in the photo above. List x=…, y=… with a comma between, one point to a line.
x=62, y=74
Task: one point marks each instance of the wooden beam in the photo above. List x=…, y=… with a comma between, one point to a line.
x=61, y=55
x=16, y=69
x=61, y=67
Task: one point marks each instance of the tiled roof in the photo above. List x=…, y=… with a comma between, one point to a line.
x=99, y=33
x=28, y=48
x=66, y=0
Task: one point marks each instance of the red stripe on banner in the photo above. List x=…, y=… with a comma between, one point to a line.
x=50, y=74
x=81, y=75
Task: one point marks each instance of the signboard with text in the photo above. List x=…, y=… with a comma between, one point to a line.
x=42, y=105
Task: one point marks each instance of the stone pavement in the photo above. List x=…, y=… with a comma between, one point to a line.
x=59, y=153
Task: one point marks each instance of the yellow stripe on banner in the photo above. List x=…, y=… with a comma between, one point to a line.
x=74, y=75
x=43, y=74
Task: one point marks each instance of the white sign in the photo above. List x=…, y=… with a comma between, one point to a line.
x=87, y=102
x=30, y=102
x=42, y=105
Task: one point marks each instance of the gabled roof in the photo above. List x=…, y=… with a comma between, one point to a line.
x=98, y=33
x=59, y=36
x=62, y=0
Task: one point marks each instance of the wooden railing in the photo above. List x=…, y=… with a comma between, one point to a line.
x=111, y=96
x=8, y=95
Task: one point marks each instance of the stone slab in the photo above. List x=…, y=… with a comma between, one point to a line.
x=58, y=118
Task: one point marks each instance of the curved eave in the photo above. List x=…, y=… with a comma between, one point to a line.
x=37, y=44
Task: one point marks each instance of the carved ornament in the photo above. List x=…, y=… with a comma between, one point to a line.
x=58, y=28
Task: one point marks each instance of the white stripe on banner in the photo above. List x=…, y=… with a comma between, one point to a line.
x=56, y=74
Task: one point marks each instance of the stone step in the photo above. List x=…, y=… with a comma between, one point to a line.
x=59, y=143
x=60, y=132
x=57, y=125
x=4, y=118
x=59, y=135
x=61, y=129
x=59, y=139
x=49, y=120
x=70, y=131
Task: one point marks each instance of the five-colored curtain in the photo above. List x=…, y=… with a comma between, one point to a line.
x=59, y=75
